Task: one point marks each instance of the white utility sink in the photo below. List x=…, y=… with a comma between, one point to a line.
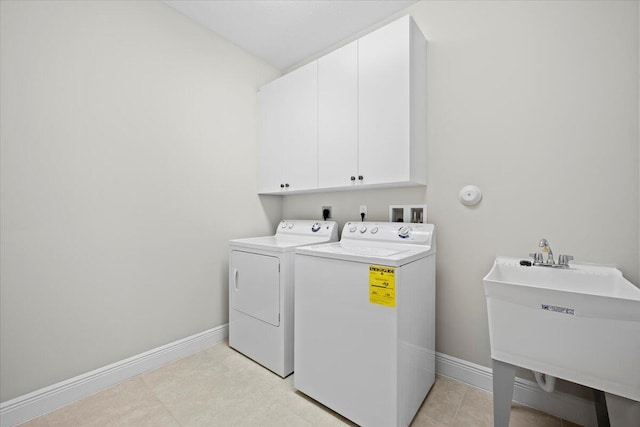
x=581, y=323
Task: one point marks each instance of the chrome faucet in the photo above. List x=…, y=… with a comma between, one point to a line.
x=538, y=258
x=544, y=244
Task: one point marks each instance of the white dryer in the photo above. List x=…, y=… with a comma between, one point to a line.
x=261, y=285
x=365, y=322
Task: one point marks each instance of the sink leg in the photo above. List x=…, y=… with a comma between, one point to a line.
x=623, y=412
x=602, y=414
x=504, y=376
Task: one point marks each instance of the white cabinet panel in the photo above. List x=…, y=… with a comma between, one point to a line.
x=301, y=127
x=338, y=117
x=384, y=92
x=288, y=132
x=270, y=141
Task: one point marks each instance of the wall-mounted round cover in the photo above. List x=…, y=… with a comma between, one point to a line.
x=470, y=195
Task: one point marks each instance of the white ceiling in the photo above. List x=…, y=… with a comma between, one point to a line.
x=286, y=32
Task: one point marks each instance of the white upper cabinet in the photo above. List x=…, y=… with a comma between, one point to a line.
x=288, y=132
x=355, y=118
x=270, y=141
x=301, y=150
x=391, y=125
x=338, y=117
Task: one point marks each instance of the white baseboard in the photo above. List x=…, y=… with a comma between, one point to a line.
x=562, y=405
x=47, y=399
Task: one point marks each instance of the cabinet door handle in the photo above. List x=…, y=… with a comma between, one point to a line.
x=235, y=279
x=353, y=178
x=360, y=177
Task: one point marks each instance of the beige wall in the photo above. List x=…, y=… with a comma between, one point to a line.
x=128, y=162
x=537, y=104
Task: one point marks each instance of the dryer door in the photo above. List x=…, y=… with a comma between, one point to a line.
x=254, y=285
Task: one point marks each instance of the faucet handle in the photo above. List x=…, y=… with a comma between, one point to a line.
x=537, y=257
x=564, y=259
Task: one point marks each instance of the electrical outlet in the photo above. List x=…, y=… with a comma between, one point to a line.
x=326, y=212
x=363, y=210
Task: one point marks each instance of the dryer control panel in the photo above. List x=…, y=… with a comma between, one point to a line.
x=290, y=227
x=399, y=232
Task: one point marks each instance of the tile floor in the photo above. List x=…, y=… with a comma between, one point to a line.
x=221, y=387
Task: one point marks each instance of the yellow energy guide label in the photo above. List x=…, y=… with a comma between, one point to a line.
x=382, y=285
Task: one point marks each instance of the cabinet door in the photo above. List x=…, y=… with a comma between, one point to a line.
x=300, y=129
x=270, y=142
x=338, y=117
x=384, y=99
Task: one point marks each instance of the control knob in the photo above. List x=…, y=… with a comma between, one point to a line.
x=363, y=228
x=374, y=230
x=315, y=227
x=352, y=228
x=404, y=231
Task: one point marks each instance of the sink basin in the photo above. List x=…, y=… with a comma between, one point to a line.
x=581, y=324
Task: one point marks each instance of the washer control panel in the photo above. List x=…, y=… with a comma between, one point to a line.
x=421, y=234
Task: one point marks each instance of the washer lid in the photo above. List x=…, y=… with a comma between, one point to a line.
x=393, y=255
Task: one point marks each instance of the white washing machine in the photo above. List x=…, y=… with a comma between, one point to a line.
x=365, y=322
x=261, y=284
